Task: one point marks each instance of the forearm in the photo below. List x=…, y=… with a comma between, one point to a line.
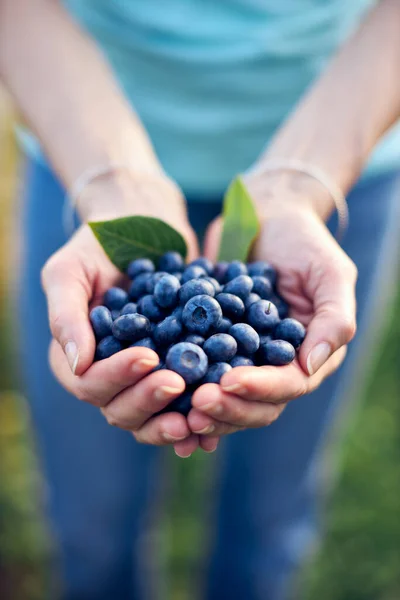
x=66, y=92
x=344, y=114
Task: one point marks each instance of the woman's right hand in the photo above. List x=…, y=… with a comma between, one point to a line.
x=74, y=279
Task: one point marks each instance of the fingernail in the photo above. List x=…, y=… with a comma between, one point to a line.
x=181, y=456
x=206, y=430
x=209, y=451
x=139, y=365
x=213, y=407
x=318, y=356
x=72, y=354
x=235, y=388
x=171, y=439
x=165, y=392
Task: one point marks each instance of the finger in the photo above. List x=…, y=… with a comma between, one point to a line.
x=163, y=430
x=212, y=239
x=185, y=448
x=278, y=384
x=105, y=378
x=135, y=405
x=334, y=323
x=206, y=424
x=68, y=294
x=208, y=443
x=231, y=410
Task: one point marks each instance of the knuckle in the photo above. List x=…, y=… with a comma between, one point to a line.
x=347, y=328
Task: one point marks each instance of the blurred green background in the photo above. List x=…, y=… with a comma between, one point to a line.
x=360, y=555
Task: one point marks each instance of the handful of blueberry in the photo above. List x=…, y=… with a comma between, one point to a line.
x=201, y=319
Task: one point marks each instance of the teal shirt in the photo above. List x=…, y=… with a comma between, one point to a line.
x=212, y=80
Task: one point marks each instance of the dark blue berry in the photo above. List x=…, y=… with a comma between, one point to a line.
x=148, y=307
x=194, y=272
x=215, y=372
x=146, y=342
x=107, y=347
x=232, y=306
x=167, y=331
x=139, y=285
x=291, y=331
x=262, y=286
x=277, y=353
x=101, y=320
x=177, y=313
x=263, y=316
x=220, y=347
x=115, y=314
x=214, y=282
x=241, y=361
x=235, y=268
x=264, y=338
x=188, y=360
x=166, y=291
x=224, y=325
x=181, y=405
x=251, y=298
x=140, y=265
x=239, y=286
x=170, y=262
x=153, y=280
x=260, y=267
x=178, y=275
x=246, y=337
x=115, y=298
x=203, y=262
x=202, y=314
x=193, y=338
x=131, y=328
x=195, y=287
x=129, y=309
x=219, y=271
x=282, y=306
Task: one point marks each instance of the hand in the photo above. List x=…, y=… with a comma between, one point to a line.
x=318, y=281
x=76, y=277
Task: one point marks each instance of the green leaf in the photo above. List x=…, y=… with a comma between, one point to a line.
x=240, y=223
x=128, y=238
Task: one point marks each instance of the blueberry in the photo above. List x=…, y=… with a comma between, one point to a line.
x=277, y=353
x=246, y=337
x=181, y=405
x=214, y=282
x=193, y=338
x=178, y=275
x=146, y=342
x=194, y=272
x=232, y=306
x=170, y=262
x=177, y=313
x=115, y=298
x=241, y=361
x=148, y=307
x=219, y=271
x=235, y=268
x=115, y=314
x=166, y=291
x=263, y=316
x=131, y=328
x=153, y=280
x=216, y=371
x=224, y=325
x=220, y=347
x=140, y=265
x=189, y=360
x=107, y=347
x=129, y=309
x=167, y=331
x=139, y=285
x=282, y=306
x=262, y=286
x=203, y=262
x=239, y=286
x=291, y=331
x=194, y=287
x=251, y=298
x=261, y=267
x=101, y=320
x=161, y=365
x=201, y=314
x=264, y=338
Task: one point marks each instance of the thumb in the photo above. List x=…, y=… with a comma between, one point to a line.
x=68, y=294
x=334, y=321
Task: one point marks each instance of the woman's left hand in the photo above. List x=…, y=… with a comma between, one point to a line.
x=318, y=280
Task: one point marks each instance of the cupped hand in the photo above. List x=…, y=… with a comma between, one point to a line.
x=318, y=280
x=74, y=279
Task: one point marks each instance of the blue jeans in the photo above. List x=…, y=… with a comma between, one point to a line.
x=103, y=486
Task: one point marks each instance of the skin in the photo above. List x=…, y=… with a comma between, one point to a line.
x=331, y=128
